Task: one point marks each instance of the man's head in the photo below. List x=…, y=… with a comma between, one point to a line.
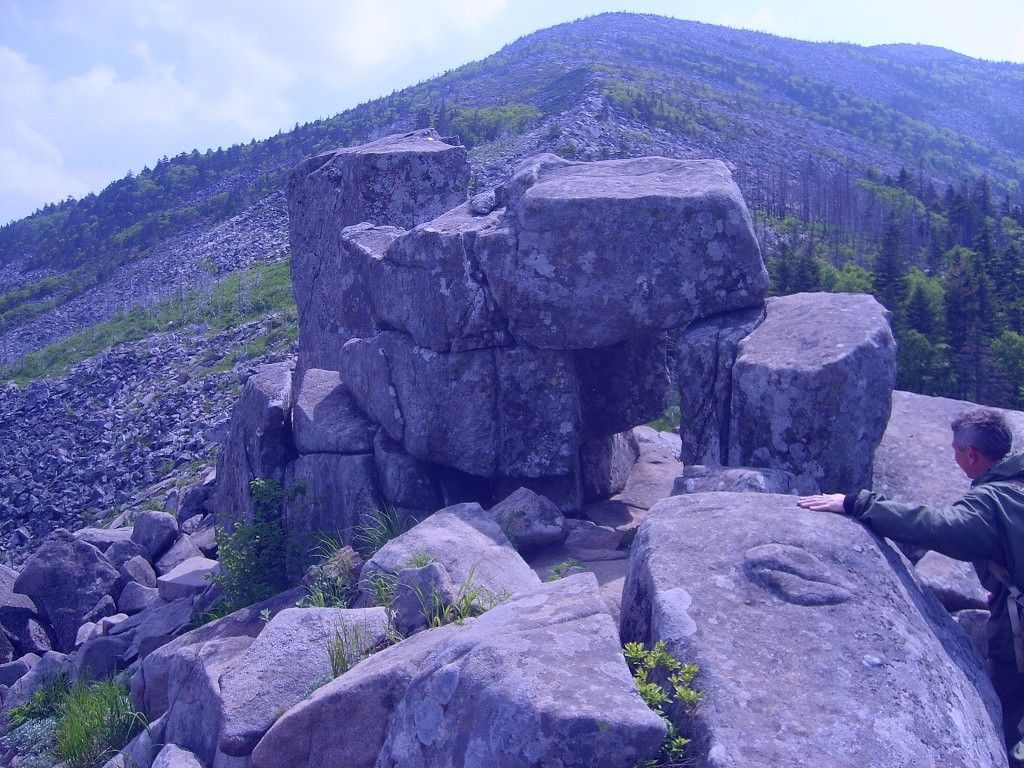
x=981, y=438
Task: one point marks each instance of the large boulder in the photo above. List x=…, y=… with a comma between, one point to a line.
x=290, y=658
x=155, y=532
x=539, y=680
x=398, y=180
x=611, y=250
x=914, y=462
x=815, y=643
x=65, y=578
x=325, y=418
x=428, y=284
x=466, y=542
x=530, y=521
x=953, y=582
x=812, y=387
x=605, y=464
x=701, y=479
x=259, y=444
x=705, y=354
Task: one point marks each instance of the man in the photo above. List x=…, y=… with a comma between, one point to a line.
x=986, y=526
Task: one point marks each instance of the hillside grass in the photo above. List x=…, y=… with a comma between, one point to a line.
x=240, y=298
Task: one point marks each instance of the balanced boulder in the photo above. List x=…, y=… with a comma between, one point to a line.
x=814, y=642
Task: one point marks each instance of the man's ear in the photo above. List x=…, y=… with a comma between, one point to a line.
x=973, y=455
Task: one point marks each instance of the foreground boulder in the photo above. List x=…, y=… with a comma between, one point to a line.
x=466, y=542
x=65, y=578
x=815, y=644
x=811, y=389
x=539, y=680
x=290, y=658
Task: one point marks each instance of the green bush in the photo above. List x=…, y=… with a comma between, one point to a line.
x=43, y=704
x=252, y=556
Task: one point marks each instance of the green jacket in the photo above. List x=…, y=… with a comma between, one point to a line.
x=986, y=524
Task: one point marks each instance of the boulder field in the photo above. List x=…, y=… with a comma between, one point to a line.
x=483, y=367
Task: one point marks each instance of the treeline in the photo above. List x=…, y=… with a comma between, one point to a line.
x=949, y=266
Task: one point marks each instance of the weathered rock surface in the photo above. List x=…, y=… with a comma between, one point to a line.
x=611, y=250
x=338, y=494
x=397, y=180
x=405, y=481
x=155, y=533
x=102, y=538
x=180, y=551
x=52, y=665
x=466, y=542
x=904, y=687
x=530, y=521
x=421, y=594
x=151, y=628
x=811, y=389
x=65, y=578
x=914, y=462
x=953, y=582
x=539, y=680
x=325, y=418
x=705, y=354
x=12, y=671
x=135, y=597
x=259, y=444
x=605, y=463
x=703, y=479
x=173, y=756
x=99, y=658
x=288, y=660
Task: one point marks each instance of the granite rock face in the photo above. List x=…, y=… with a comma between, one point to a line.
x=467, y=543
x=325, y=419
x=914, y=462
x=259, y=444
x=837, y=614
x=701, y=479
x=705, y=354
x=812, y=389
x=382, y=187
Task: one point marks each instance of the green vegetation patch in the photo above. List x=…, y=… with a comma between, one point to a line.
x=238, y=299
x=476, y=126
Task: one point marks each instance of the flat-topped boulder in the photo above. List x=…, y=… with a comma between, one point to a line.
x=816, y=646
x=812, y=387
x=604, y=251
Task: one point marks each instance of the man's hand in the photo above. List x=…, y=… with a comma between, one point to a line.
x=825, y=502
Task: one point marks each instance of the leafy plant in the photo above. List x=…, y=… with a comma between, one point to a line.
x=383, y=524
x=96, y=720
x=44, y=702
x=332, y=583
x=564, y=568
x=663, y=681
x=252, y=556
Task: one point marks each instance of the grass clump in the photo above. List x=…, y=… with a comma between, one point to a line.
x=471, y=601
x=96, y=720
x=332, y=582
x=381, y=526
x=349, y=645
x=565, y=568
x=663, y=681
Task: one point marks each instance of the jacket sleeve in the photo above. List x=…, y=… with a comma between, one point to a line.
x=965, y=531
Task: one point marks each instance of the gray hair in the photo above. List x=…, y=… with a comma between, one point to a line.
x=986, y=430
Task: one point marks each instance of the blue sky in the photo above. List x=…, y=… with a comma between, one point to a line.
x=90, y=89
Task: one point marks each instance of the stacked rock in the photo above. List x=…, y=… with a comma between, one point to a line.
x=455, y=349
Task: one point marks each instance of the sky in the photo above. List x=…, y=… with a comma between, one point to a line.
x=90, y=89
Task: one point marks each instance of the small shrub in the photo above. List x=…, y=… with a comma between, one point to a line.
x=252, y=556
x=96, y=720
x=331, y=583
x=348, y=647
x=663, y=681
x=384, y=524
